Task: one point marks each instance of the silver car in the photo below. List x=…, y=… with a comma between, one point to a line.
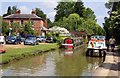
x=31, y=41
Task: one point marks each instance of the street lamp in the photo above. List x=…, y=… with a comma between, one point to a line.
x=10, y=31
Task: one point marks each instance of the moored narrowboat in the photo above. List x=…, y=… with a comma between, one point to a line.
x=71, y=43
x=68, y=43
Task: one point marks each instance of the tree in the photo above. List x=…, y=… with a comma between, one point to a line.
x=49, y=23
x=40, y=13
x=112, y=23
x=75, y=17
x=28, y=28
x=10, y=11
x=5, y=29
x=73, y=20
x=63, y=9
x=88, y=13
x=14, y=9
x=79, y=7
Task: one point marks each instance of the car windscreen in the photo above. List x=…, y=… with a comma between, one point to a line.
x=31, y=38
x=12, y=38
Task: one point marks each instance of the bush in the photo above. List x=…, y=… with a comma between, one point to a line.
x=118, y=46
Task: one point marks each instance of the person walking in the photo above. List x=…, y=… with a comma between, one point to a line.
x=112, y=43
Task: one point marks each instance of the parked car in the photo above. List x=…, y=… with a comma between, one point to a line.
x=49, y=40
x=22, y=38
x=13, y=40
x=31, y=41
x=41, y=38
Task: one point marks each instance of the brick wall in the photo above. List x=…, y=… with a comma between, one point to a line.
x=37, y=24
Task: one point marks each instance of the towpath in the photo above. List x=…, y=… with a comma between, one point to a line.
x=110, y=67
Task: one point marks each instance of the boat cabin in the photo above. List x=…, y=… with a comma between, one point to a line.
x=68, y=43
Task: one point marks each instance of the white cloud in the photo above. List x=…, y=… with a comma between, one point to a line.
x=51, y=15
x=95, y=0
x=49, y=4
x=25, y=10
x=29, y=0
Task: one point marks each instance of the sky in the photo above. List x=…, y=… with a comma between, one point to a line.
x=47, y=6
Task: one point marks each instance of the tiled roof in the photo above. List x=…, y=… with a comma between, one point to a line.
x=22, y=16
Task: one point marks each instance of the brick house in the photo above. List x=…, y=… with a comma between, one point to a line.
x=37, y=22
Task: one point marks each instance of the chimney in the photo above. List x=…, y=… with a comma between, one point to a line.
x=33, y=11
x=18, y=12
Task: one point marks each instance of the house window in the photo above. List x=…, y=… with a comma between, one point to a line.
x=21, y=22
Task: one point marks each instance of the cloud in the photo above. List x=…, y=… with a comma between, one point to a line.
x=25, y=10
x=49, y=4
x=95, y=0
x=29, y=0
x=51, y=15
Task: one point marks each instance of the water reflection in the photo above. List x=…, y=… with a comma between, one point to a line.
x=68, y=53
x=77, y=64
x=25, y=66
x=56, y=63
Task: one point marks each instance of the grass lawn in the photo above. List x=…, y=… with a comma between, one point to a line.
x=12, y=52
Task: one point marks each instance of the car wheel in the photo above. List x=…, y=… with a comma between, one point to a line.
x=19, y=42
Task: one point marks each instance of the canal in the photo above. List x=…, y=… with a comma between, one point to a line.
x=54, y=63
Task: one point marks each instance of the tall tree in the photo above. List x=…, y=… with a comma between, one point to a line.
x=79, y=7
x=88, y=13
x=49, y=23
x=10, y=11
x=14, y=9
x=112, y=24
x=40, y=13
x=63, y=9
x=73, y=20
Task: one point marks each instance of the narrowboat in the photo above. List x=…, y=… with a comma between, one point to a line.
x=71, y=43
x=96, y=46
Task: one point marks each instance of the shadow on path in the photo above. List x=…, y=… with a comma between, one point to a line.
x=115, y=67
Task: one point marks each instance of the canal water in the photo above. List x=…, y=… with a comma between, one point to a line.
x=54, y=63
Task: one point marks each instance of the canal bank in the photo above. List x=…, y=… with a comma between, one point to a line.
x=111, y=65
x=17, y=52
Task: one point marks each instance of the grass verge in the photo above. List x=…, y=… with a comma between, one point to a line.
x=18, y=53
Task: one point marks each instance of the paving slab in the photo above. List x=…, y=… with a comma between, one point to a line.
x=110, y=68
